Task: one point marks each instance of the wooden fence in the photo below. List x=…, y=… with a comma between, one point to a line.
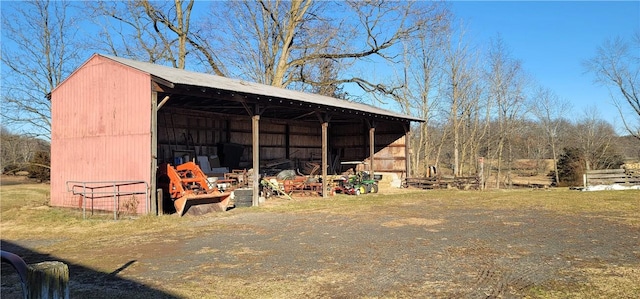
x=612, y=176
x=462, y=183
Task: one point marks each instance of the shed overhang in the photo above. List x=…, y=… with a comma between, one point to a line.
x=205, y=92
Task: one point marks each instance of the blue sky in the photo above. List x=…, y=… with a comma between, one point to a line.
x=552, y=39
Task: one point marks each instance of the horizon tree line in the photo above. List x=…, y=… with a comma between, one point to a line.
x=476, y=103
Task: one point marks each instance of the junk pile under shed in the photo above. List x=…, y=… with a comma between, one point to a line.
x=189, y=185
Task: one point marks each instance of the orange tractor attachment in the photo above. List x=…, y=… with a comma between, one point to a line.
x=189, y=189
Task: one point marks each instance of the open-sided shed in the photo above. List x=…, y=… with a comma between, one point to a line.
x=114, y=120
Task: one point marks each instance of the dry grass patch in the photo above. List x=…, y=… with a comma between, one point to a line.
x=619, y=206
x=312, y=285
x=604, y=281
x=25, y=214
x=412, y=221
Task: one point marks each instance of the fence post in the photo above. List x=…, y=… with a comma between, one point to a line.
x=48, y=280
x=84, y=201
x=115, y=202
x=160, y=203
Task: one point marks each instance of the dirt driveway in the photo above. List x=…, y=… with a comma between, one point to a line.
x=424, y=249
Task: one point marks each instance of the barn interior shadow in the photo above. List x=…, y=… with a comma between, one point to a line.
x=83, y=282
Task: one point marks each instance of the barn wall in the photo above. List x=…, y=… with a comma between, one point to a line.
x=101, y=131
x=390, y=148
x=391, y=158
x=352, y=142
x=191, y=132
x=209, y=130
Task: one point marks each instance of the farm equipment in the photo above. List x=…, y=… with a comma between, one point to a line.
x=187, y=186
x=302, y=185
x=360, y=183
x=288, y=182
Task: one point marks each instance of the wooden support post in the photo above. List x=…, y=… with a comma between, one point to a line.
x=372, y=148
x=153, y=210
x=160, y=200
x=48, y=280
x=407, y=151
x=154, y=150
x=255, y=130
x=325, y=125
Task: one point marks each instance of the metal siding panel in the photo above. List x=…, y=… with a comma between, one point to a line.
x=100, y=127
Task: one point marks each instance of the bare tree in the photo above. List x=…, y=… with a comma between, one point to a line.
x=507, y=82
x=595, y=138
x=157, y=32
x=17, y=152
x=420, y=78
x=460, y=87
x=178, y=24
x=548, y=110
x=533, y=143
x=280, y=43
x=132, y=34
x=474, y=129
x=327, y=71
x=277, y=42
x=39, y=50
x=617, y=65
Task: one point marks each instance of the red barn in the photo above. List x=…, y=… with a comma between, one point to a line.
x=114, y=120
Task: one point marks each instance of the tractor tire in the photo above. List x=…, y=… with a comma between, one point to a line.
x=363, y=190
x=375, y=188
x=367, y=188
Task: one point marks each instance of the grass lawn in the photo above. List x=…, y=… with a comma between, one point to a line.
x=27, y=218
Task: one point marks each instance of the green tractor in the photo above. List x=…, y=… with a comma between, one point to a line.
x=360, y=183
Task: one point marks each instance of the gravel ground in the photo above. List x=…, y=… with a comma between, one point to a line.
x=430, y=250
x=461, y=253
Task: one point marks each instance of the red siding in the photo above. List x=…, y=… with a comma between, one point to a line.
x=101, y=128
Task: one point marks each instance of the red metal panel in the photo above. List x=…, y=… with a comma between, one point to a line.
x=101, y=128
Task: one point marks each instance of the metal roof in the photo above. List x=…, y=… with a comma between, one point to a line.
x=202, y=80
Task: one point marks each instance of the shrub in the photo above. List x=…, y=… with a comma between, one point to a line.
x=12, y=169
x=39, y=167
x=570, y=166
